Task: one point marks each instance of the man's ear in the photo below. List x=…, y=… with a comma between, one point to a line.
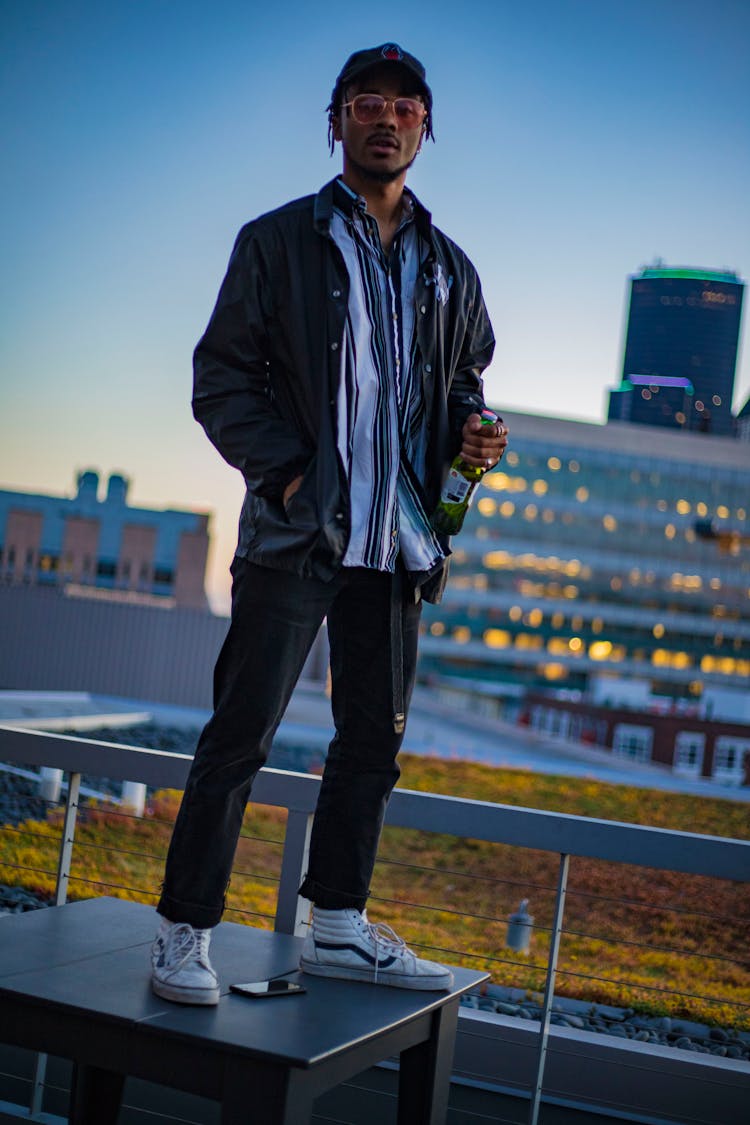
x=336, y=127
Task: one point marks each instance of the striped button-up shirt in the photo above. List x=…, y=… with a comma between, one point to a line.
x=381, y=425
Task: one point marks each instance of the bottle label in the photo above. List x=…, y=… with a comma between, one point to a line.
x=456, y=488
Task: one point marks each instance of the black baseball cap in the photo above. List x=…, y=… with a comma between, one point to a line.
x=361, y=61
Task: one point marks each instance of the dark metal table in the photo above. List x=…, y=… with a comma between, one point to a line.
x=74, y=982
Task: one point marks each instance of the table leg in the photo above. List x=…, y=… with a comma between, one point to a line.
x=425, y=1072
x=95, y=1095
x=273, y=1095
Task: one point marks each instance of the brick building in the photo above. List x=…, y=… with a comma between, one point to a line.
x=103, y=547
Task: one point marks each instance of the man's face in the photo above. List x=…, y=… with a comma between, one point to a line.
x=380, y=152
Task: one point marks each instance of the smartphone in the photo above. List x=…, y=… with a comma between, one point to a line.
x=261, y=988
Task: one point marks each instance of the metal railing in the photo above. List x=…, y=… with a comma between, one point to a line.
x=562, y=835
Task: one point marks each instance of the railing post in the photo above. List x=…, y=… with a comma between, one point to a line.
x=64, y=858
x=68, y=835
x=291, y=911
x=549, y=988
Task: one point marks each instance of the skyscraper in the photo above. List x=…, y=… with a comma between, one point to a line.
x=680, y=350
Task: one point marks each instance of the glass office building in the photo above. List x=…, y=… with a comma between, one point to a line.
x=599, y=551
x=680, y=350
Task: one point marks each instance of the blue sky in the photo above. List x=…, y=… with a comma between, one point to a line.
x=576, y=142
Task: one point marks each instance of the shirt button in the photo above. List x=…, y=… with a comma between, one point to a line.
x=428, y=368
x=423, y=308
x=334, y=346
x=336, y=293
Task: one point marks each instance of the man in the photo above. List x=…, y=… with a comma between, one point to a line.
x=340, y=373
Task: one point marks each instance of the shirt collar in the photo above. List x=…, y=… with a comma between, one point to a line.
x=350, y=202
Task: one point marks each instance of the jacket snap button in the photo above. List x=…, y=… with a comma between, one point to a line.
x=428, y=368
x=423, y=308
x=334, y=346
x=336, y=293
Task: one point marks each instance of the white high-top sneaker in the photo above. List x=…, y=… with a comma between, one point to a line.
x=342, y=943
x=180, y=968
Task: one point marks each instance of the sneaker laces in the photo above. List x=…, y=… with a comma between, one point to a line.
x=382, y=935
x=188, y=944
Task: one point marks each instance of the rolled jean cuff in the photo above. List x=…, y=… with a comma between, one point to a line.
x=328, y=899
x=196, y=915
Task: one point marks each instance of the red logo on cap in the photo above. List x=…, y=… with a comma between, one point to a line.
x=392, y=52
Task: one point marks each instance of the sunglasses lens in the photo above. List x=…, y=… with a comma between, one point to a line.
x=409, y=112
x=367, y=108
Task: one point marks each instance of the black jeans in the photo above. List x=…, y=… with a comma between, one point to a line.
x=275, y=619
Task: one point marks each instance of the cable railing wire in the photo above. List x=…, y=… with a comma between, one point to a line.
x=566, y=931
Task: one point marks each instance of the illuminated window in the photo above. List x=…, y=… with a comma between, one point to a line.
x=507, y=508
x=670, y=531
x=680, y=418
x=570, y=591
x=558, y=620
x=658, y=631
x=497, y=638
x=534, y=618
x=555, y=671
x=495, y=560
x=530, y=512
x=575, y=644
x=486, y=506
x=615, y=583
x=582, y=494
x=573, y=466
x=600, y=650
x=437, y=628
x=496, y=482
x=539, y=487
x=701, y=509
x=741, y=514
x=515, y=613
x=683, y=507
x=511, y=458
x=716, y=400
x=661, y=505
x=573, y=568
x=610, y=523
x=558, y=646
x=548, y=515
x=554, y=463
x=461, y=634
x=722, y=512
x=482, y=533
x=529, y=641
x=597, y=625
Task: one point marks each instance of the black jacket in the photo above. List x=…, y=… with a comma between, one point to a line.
x=266, y=374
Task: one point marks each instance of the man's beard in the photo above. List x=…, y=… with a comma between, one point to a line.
x=376, y=176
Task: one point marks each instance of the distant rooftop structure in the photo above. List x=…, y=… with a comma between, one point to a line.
x=688, y=273
x=104, y=548
x=680, y=350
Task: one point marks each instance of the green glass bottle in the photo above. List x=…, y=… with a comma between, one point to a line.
x=459, y=488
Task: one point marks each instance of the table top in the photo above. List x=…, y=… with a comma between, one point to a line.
x=93, y=957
